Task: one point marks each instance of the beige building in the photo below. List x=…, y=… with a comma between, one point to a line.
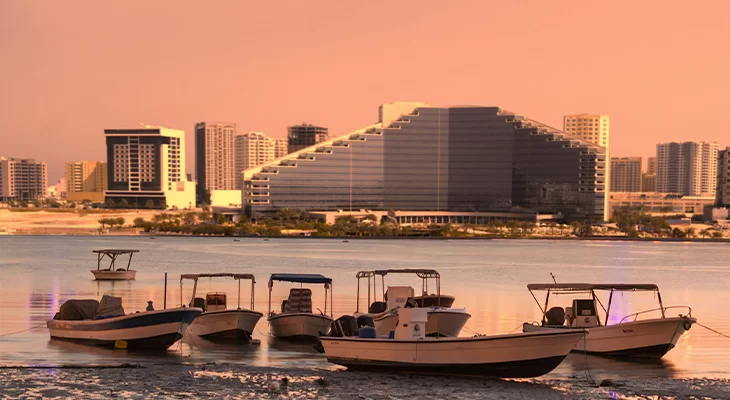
x=86, y=176
x=625, y=174
x=252, y=150
x=22, y=179
x=659, y=203
x=651, y=165
x=215, y=157
x=591, y=127
x=281, y=147
x=687, y=168
x=648, y=182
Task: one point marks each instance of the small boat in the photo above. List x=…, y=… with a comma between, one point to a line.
x=105, y=324
x=442, y=321
x=296, y=319
x=519, y=355
x=111, y=273
x=626, y=336
x=217, y=323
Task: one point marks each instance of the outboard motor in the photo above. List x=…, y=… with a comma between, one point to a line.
x=344, y=326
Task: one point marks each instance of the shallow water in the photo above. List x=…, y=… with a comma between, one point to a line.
x=488, y=277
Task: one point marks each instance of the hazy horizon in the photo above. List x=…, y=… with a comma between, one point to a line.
x=70, y=70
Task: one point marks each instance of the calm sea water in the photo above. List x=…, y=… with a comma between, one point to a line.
x=488, y=277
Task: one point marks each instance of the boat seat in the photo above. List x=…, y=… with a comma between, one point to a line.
x=283, y=305
x=215, y=301
x=120, y=269
x=377, y=307
x=199, y=302
x=397, y=296
x=300, y=300
x=555, y=316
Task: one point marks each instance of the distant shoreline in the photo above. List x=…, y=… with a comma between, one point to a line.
x=349, y=238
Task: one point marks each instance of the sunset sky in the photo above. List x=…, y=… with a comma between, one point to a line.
x=660, y=69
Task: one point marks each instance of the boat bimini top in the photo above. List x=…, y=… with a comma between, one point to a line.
x=587, y=307
x=113, y=254
x=300, y=299
x=219, y=298
x=424, y=274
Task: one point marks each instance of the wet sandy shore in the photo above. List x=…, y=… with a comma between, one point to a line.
x=223, y=381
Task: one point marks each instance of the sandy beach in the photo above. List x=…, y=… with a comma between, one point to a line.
x=224, y=381
x=66, y=223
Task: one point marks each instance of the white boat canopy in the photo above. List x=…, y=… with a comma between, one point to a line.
x=579, y=287
x=238, y=277
x=113, y=254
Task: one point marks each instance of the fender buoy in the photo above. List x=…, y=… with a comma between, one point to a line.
x=687, y=325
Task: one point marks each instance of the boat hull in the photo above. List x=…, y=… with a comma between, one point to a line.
x=446, y=322
x=651, y=338
x=225, y=325
x=100, y=275
x=503, y=356
x=152, y=330
x=299, y=325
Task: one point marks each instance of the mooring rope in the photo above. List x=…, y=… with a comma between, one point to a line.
x=24, y=330
x=712, y=330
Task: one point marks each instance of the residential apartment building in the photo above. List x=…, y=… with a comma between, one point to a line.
x=86, y=180
x=625, y=174
x=281, y=147
x=687, y=168
x=23, y=179
x=648, y=178
x=651, y=165
x=305, y=135
x=723, y=178
x=591, y=127
x=147, y=165
x=253, y=149
x=438, y=159
x=215, y=157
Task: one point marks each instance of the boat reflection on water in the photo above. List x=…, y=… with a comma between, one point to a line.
x=610, y=368
x=201, y=348
x=84, y=354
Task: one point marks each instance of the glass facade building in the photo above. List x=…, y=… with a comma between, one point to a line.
x=466, y=159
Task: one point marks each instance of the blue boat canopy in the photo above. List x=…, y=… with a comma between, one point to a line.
x=300, y=278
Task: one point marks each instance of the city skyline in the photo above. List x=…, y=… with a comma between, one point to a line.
x=73, y=84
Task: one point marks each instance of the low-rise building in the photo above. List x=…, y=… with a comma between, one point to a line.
x=659, y=203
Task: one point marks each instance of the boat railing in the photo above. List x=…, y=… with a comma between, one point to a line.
x=663, y=311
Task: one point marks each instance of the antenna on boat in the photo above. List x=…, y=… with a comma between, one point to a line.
x=553, y=276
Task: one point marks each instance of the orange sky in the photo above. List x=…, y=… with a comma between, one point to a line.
x=660, y=69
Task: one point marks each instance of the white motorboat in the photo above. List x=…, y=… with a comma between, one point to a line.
x=296, y=319
x=442, y=321
x=217, y=322
x=630, y=336
x=105, y=324
x=520, y=355
x=111, y=273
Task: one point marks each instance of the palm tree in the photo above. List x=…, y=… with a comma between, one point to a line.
x=705, y=232
x=690, y=232
x=717, y=235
